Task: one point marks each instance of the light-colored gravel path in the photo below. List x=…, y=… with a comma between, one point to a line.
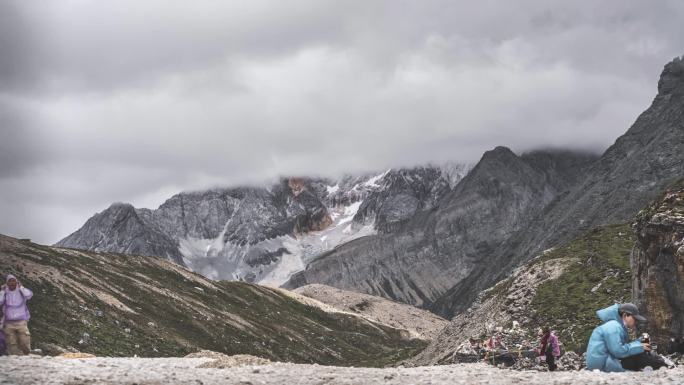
x=169, y=371
x=418, y=322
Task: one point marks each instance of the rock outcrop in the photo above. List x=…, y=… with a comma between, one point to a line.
x=658, y=265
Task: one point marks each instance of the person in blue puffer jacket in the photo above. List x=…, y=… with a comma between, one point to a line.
x=609, y=343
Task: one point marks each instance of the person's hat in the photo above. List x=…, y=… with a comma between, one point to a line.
x=9, y=277
x=631, y=309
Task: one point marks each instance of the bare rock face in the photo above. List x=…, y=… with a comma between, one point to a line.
x=121, y=228
x=658, y=265
x=264, y=235
x=403, y=193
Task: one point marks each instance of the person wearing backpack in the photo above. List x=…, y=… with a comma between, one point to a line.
x=549, y=348
x=13, y=298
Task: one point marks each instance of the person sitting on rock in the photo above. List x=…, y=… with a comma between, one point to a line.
x=15, y=312
x=496, y=342
x=549, y=348
x=609, y=344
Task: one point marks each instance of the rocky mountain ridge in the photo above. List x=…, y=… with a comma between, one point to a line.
x=266, y=234
x=417, y=263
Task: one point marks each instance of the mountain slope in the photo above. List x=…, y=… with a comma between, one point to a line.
x=419, y=323
x=561, y=288
x=633, y=171
x=431, y=252
x=122, y=305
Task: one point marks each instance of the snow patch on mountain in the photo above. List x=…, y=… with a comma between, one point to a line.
x=284, y=255
x=453, y=172
x=373, y=182
x=333, y=189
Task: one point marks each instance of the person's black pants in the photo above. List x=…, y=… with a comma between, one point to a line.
x=551, y=361
x=639, y=361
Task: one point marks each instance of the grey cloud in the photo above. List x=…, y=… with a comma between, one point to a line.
x=20, y=149
x=105, y=45
x=100, y=46
x=133, y=101
x=18, y=61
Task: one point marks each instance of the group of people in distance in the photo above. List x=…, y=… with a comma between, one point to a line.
x=609, y=348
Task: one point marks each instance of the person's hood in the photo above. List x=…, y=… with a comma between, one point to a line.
x=610, y=313
x=9, y=276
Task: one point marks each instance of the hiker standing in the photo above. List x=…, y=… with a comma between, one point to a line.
x=608, y=344
x=15, y=312
x=549, y=348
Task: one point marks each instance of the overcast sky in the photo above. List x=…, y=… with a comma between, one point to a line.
x=133, y=101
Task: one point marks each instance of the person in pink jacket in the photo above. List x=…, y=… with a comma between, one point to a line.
x=549, y=348
x=15, y=313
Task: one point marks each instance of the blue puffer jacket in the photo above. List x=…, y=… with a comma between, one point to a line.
x=609, y=342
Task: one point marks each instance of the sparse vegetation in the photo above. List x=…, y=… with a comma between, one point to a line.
x=600, y=277
x=81, y=299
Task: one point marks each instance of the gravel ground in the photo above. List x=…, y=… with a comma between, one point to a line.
x=163, y=371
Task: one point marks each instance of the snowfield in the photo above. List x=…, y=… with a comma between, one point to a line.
x=215, y=259
x=49, y=370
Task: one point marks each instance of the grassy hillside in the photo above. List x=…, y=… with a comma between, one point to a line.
x=120, y=305
x=599, y=276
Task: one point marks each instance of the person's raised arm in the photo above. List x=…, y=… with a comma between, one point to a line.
x=619, y=349
x=26, y=293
